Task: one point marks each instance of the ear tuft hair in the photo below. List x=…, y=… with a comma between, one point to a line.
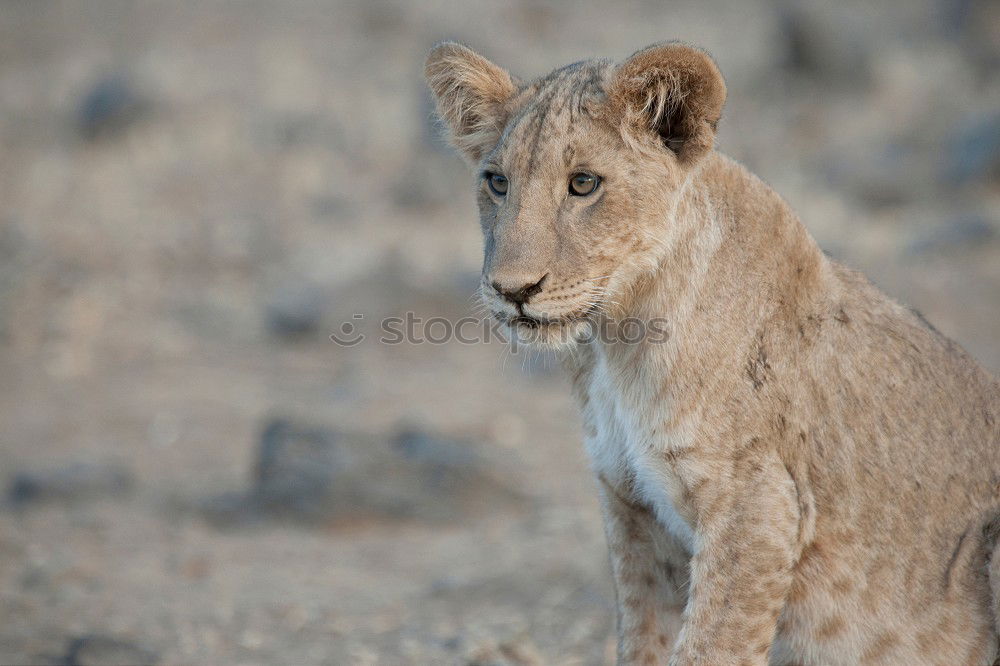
x=671, y=94
x=471, y=95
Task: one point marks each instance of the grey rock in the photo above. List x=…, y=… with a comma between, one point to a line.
x=233, y=509
x=427, y=448
x=296, y=467
x=98, y=650
x=295, y=311
x=972, y=24
x=81, y=480
x=974, y=151
x=108, y=107
x=825, y=42
x=880, y=175
x=294, y=477
x=312, y=474
x=434, y=477
x=964, y=232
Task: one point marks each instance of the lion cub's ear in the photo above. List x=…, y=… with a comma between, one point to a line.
x=671, y=93
x=471, y=94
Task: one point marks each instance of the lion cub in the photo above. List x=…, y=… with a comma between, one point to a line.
x=800, y=471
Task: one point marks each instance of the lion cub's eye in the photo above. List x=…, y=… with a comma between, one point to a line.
x=582, y=184
x=498, y=184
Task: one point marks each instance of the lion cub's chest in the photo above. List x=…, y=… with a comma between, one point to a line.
x=623, y=442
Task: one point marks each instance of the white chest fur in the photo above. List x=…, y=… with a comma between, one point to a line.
x=625, y=442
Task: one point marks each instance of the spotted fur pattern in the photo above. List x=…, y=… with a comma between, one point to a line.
x=804, y=472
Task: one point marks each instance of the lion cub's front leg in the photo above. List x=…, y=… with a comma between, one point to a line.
x=742, y=571
x=650, y=571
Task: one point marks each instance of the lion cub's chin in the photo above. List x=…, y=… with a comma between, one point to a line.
x=553, y=334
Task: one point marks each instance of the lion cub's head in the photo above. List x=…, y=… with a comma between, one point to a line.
x=579, y=173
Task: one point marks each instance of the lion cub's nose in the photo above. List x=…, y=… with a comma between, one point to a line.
x=516, y=291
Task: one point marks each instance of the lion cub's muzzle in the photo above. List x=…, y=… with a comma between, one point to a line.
x=528, y=303
x=509, y=295
x=518, y=294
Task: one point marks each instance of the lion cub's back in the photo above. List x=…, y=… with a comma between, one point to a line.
x=905, y=468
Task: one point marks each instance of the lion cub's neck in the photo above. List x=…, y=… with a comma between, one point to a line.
x=741, y=267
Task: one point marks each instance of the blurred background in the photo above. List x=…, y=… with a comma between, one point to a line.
x=195, y=195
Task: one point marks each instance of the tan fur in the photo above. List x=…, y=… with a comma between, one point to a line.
x=804, y=472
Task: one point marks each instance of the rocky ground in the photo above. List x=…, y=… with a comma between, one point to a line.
x=196, y=195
